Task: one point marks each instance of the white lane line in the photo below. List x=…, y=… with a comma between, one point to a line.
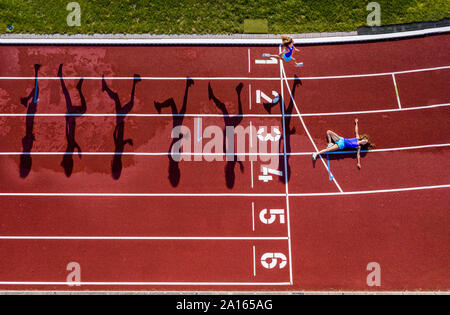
x=396, y=92
x=146, y=283
x=376, y=111
x=149, y=78
x=430, y=146
x=208, y=195
x=253, y=216
x=220, y=116
x=138, y=238
x=307, y=132
x=291, y=277
x=251, y=173
x=381, y=74
x=249, y=68
x=379, y=191
x=235, y=78
x=138, y=195
x=250, y=96
x=254, y=261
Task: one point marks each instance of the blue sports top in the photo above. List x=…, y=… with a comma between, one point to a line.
x=288, y=54
x=351, y=143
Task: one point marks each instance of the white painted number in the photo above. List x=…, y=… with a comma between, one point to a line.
x=271, y=260
x=266, y=177
x=261, y=95
x=273, y=216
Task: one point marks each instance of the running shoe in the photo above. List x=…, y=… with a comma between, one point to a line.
x=314, y=156
x=300, y=64
x=266, y=55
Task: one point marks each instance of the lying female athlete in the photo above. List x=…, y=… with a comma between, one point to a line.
x=336, y=142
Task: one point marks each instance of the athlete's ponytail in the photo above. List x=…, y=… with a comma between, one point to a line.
x=286, y=40
x=369, y=144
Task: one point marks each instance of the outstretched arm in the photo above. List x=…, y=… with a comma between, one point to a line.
x=356, y=128
x=358, y=157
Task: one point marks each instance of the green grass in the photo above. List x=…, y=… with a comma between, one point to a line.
x=209, y=16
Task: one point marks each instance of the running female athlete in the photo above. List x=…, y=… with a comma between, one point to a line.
x=336, y=142
x=288, y=51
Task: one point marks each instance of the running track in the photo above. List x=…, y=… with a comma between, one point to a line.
x=137, y=226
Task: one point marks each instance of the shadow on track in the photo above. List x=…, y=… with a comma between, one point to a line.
x=229, y=122
x=178, y=118
x=346, y=153
x=119, y=130
x=67, y=162
x=289, y=131
x=30, y=102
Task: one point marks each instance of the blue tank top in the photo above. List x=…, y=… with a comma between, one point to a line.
x=351, y=143
x=288, y=54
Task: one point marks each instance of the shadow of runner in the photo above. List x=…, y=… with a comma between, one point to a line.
x=230, y=175
x=27, y=141
x=67, y=162
x=288, y=132
x=178, y=118
x=119, y=130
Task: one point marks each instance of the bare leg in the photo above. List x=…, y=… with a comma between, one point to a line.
x=332, y=136
x=296, y=62
x=335, y=147
x=332, y=148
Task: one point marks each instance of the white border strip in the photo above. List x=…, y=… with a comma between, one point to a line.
x=219, y=41
x=233, y=292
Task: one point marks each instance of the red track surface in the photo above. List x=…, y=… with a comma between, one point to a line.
x=200, y=241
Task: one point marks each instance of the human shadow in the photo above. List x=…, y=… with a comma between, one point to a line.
x=177, y=118
x=230, y=121
x=72, y=112
x=288, y=129
x=119, y=130
x=347, y=153
x=30, y=102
